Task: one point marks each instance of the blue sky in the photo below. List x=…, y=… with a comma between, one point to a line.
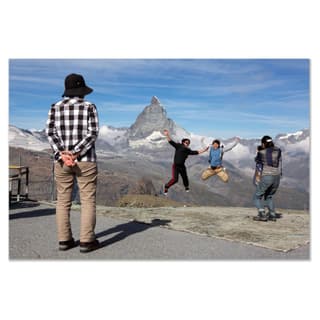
x=213, y=97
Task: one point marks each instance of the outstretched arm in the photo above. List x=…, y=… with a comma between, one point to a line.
x=167, y=134
x=235, y=143
x=203, y=150
x=195, y=152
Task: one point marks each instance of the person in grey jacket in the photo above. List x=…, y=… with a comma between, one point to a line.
x=269, y=157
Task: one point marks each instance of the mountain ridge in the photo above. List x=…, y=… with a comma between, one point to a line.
x=138, y=156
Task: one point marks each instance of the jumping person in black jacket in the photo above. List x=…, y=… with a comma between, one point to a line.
x=178, y=166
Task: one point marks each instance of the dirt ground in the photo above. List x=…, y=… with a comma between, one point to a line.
x=289, y=232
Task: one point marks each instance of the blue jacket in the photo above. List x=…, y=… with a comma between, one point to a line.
x=215, y=157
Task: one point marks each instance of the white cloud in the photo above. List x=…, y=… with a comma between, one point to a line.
x=238, y=152
x=301, y=146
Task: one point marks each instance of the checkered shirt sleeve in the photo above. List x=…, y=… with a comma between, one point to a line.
x=73, y=125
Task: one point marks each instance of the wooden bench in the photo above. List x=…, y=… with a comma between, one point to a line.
x=17, y=173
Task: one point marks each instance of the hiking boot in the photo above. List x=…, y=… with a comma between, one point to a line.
x=260, y=218
x=66, y=245
x=89, y=246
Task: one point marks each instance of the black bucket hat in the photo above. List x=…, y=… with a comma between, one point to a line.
x=75, y=86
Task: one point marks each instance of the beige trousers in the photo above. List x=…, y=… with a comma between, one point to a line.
x=86, y=175
x=220, y=172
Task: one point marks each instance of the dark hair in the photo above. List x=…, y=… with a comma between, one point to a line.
x=267, y=141
x=73, y=96
x=216, y=141
x=184, y=140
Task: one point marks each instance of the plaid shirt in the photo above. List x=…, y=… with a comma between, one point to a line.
x=73, y=125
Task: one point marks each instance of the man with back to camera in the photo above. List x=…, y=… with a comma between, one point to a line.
x=72, y=129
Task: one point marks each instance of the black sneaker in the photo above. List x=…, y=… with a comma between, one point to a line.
x=260, y=218
x=89, y=246
x=165, y=190
x=187, y=189
x=272, y=217
x=66, y=245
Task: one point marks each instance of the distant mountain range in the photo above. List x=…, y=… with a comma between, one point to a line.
x=139, y=158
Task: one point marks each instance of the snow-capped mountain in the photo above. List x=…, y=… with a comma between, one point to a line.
x=21, y=138
x=147, y=134
x=113, y=136
x=153, y=118
x=294, y=137
x=294, y=143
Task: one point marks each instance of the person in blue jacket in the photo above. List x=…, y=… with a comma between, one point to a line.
x=215, y=159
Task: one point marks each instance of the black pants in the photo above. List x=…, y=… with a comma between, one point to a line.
x=176, y=170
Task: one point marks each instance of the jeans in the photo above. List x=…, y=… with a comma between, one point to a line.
x=266, y=189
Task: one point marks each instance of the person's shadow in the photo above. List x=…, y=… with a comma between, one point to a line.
x=126, y=229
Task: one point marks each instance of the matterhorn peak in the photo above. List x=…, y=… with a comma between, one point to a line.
x=155, y=100
x=153, y=118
